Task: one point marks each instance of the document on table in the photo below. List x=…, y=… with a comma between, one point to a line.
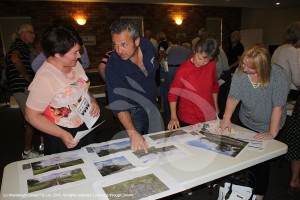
x=81, y=134
x=253, y=144
x=83, y=110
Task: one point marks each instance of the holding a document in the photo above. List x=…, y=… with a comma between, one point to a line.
x=59, y=104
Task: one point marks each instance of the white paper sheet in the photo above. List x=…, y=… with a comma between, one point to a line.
x=169, y=137
x=94, y=151
x=255, y=145
x=81, y=134
x=161, y=154
x=115, y=165
x=151, y=183
x=83, y=110
x=54, y=172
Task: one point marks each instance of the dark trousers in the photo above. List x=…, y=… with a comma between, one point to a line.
x=261, y=171
x=223, y=92
x=55, y=144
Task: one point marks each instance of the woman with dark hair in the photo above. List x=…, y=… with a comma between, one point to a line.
x=55, y=92
x=196, y=84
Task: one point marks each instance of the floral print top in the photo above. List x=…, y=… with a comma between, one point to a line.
x=58, y=95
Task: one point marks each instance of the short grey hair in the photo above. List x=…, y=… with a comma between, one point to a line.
x=121, y=25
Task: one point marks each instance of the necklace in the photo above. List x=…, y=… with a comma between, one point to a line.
x=254, y=85
x=71, y=75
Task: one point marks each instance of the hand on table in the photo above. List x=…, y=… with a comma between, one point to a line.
x=137, y=142
x=263, y=136
x=173, y=124
x=223, y=125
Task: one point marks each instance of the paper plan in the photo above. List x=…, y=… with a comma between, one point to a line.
x=253, y=144
x=49, y=173
x=170, y=136
x=161, y=155
x=219, y=143
x=107, y=148
x=83, y=110
x=146, y=184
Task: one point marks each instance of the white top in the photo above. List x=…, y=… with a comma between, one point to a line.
x=288, y=57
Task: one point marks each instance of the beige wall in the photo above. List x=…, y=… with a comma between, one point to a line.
x=272, y=21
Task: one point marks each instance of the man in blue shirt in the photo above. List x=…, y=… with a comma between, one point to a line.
x=130, y=77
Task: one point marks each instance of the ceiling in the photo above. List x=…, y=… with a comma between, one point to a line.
x=227, y=3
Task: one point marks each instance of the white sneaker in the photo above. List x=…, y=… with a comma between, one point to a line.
x=41, y=147
x=31, y=154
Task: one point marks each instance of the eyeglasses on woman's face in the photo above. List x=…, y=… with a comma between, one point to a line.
x=247, y=67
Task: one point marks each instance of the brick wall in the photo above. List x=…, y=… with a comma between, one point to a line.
x=100, y=16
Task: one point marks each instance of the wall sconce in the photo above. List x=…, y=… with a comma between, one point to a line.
x=178, y=21
x=81, y=20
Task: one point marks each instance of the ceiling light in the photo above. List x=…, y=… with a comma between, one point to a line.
x=81, y=21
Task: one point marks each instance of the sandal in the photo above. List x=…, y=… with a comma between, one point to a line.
x=293, y=190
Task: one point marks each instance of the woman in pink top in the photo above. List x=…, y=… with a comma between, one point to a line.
x=56, y=91
x=196, y=84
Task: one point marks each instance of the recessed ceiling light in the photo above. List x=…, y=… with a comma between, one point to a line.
x=277, y=4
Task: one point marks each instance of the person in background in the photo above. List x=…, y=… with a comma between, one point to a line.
x=148, y=35
x=235, y=51
x=102, y=64
x=293, y=155
x=198, y=100
x=40, y=59
x=177, y=54
x=130, y=77
x=202, y=33
x=224, y=77
x=35, y=49
x=34, y=52
x=262, y=89
x=287, y=56
x=163, y=46
x=57, y=89
x=19, y=75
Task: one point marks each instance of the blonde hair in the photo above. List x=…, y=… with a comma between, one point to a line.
x=24, y=27
x=260, y=59
x=160, y=36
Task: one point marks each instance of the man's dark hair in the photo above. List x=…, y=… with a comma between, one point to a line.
x=121, y=25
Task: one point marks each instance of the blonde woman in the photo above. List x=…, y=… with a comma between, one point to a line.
x=262, y=89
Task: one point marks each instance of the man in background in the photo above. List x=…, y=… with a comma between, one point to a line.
x=19, y=76
x=148, y=35
x=235, y=51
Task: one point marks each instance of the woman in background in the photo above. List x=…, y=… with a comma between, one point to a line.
x=288, y=56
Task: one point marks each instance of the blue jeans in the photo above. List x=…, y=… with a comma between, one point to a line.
x=147, y=119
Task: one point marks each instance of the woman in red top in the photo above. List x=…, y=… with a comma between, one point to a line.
x=196, y=84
